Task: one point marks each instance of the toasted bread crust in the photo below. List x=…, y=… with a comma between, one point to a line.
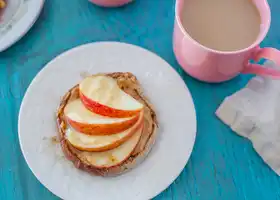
x=129, y=84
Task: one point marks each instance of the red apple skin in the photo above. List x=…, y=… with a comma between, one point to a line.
x=105, y=110
x=102, y=129
x=113, y=145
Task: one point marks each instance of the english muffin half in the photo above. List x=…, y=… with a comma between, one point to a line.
x=142, y=145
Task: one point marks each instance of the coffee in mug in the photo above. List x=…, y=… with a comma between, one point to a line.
x=214, y=40
x=223, y=25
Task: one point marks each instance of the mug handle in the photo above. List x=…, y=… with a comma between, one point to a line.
x=267, y=53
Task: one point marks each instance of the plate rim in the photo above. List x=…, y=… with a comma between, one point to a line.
x=194, y=135
x=20, y=28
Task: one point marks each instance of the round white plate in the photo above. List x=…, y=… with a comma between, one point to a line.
x=18, y=17
x=166, y=90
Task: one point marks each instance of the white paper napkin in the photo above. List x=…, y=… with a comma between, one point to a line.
x=254, y=113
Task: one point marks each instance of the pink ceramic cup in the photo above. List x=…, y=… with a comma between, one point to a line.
x=210, y=65
x=110, y=3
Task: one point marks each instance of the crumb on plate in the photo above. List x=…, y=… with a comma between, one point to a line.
x=2, y=4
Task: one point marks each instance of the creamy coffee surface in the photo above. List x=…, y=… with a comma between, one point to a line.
x=223, y=25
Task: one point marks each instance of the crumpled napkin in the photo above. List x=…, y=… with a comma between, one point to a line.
x=254, y=112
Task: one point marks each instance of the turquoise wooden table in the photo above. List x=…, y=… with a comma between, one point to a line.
x=222, y=166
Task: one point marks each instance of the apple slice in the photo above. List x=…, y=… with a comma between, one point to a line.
x=102, y=95
x=91, y=123
x=115, y=156
x=102, y=142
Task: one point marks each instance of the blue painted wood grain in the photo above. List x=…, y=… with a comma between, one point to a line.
x=223, y=165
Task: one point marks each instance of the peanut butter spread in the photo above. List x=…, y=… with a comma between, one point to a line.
x=128, y=83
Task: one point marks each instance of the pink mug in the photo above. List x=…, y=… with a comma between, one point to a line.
x=210, y=65
x=110, y=3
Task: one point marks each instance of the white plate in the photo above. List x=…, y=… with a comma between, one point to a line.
x=17, y=19
x=164, y=87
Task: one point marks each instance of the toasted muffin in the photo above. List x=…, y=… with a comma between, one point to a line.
x=82, y=159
